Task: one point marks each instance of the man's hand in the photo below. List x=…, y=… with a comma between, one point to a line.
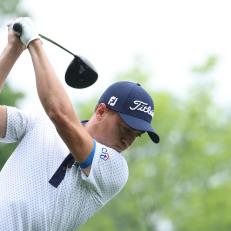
x=29, y=31
x=13, y=39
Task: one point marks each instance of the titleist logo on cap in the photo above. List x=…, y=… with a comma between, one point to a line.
x=142, y=106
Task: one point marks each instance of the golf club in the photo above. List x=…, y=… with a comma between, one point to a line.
x=80, y=73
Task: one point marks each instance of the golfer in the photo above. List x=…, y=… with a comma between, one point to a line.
x=63, y=169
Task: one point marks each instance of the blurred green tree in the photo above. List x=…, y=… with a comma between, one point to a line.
x=11, y=8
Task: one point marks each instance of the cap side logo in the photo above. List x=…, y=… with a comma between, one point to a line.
x=112, y=101
x=142, y=106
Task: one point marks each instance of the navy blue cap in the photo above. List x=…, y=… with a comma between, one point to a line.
x=133, y=104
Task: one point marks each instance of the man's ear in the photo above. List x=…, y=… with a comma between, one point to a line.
x=100, y=111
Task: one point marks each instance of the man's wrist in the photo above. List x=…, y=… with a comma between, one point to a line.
x=14, y=49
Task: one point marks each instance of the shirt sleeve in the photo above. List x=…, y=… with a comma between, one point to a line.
x=109, y=173
x=18, y=123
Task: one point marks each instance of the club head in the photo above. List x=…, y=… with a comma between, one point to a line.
x=80, y=73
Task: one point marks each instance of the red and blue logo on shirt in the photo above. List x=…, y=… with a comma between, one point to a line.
x=104, y=155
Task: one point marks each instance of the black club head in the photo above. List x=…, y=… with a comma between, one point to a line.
x=80, y=73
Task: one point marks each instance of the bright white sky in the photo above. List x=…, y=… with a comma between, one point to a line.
x=171, y=36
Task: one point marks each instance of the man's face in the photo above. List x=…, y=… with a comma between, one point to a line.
x=115, y=133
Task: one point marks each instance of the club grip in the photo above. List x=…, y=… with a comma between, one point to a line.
x=17, y=27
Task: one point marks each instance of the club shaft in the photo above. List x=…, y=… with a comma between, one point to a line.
x=18, y=28
x=55, y=43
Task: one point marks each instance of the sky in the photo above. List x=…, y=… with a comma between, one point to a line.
x=169, y=36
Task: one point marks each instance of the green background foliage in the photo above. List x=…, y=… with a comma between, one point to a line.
x=183, y=183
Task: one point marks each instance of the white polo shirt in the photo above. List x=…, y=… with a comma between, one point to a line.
x=29, y=202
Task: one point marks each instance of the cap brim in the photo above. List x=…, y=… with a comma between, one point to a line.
x=140, y=125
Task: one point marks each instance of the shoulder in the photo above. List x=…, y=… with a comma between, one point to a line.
x=19, y=114
x=106, y=156
x=109, y=171
x=25, y=119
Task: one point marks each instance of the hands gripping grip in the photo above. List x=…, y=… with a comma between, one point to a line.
x=26, y=30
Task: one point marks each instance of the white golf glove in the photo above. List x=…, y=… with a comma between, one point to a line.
x=29, y=31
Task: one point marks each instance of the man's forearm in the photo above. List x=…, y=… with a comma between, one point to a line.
x=58, y=106
x=50, y=90
x=7, y=60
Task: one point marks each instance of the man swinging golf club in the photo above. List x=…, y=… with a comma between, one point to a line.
x=64, y=170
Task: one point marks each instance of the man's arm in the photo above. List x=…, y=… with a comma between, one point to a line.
x=3, y=121
x=58, y=106
x=8, y=58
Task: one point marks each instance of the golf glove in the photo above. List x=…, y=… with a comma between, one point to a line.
x=29, y=31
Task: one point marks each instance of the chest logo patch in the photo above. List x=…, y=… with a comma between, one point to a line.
x=104, y=155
